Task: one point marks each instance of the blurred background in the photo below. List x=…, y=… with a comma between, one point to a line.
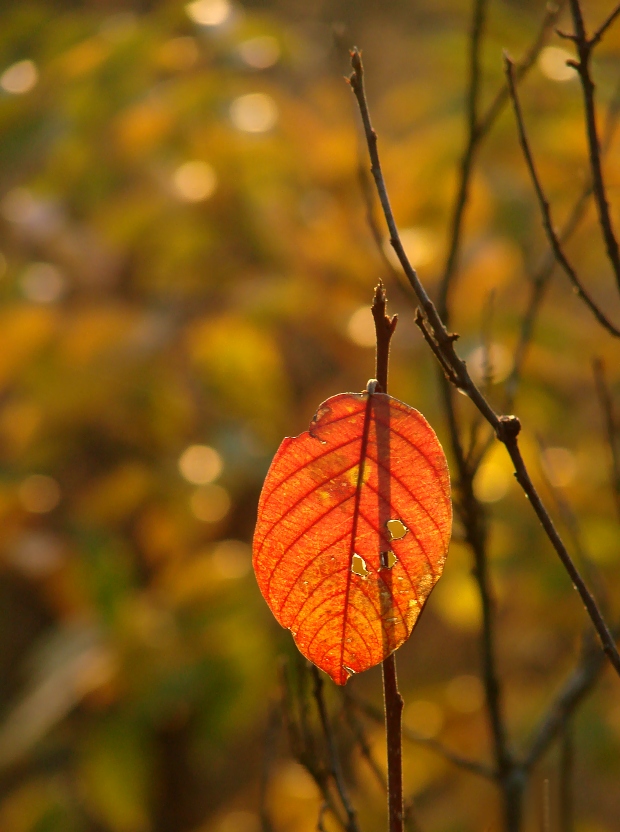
x=186, y=269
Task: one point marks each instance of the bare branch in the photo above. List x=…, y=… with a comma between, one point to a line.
x=384, y=329
x=539, y=284
x=473, y=766
x=478, y=129
x=269, y=753
x=467, y=160
x=611, y=428
x=506, y=427
x=522, y=67
x=421, y=323
x=368, y=196
x=543, y=274
x=302, y=743
x=566, y=775
x=543, y=203
x=334, y=760
x=598, y=35
x=576, y=687
x=584, y=48
x=357, y=729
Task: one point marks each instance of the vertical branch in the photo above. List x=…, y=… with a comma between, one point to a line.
x=611, y=429
x=357, y=729
x=553, y=238
x=471, y=511
x=506, y=427
x=393, y=701
x=566, y=780
x=334, y=760
x=546, y=807
x=269, y=754
x=584, y=46
x=467, y=160
x=574, y=690
x=393, y=726
x=302, y=740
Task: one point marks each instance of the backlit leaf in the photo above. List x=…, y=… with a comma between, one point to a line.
x=353, y=527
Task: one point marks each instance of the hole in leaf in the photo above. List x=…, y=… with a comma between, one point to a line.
x=358, y=567
x=387, y=559
x=397, y=529
x=348, y=669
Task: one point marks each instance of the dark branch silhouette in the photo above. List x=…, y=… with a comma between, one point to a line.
x=506, y=428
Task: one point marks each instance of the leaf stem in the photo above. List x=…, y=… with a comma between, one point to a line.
x=393, y=701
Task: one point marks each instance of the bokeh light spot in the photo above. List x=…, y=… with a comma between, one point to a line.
x=494, y=361
x=361, y=327
x=209, y=12
x=37, y=554
x=19, y=205
x=210, y=503
x=194, y=181
x=239, y=821
x=559, y=465
x=200, y=464
x=492, y=482
x=231, y=559
x=43, y=283
x=20, y=77
x=255, y=112
x=261, y=52
x=179, y=53
x=465, y=694
x=458, y=601
x=424, y=717
x=552, y=64
x=39, y=493
x=421, y=246
x=296, y=782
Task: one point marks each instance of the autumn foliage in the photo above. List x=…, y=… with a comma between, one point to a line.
x=353, y=528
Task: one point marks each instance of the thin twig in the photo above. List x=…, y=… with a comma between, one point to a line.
x=566, y=785
x=539, y=283
x=584, y=46
x=611, y=427
x=540, y=279
x=421, y=323
x=568, y=517
x=522, y=66
x=334, y=760
x=409, y=734
x=320, y=826
x=357, y=729
x=269, y=755
x=467, y=160
x=478, y=129
x=302, y=741
x=596, y=37
x=393, y=701
x=470, y=510
x=506, y=427
x=487, y=380
x=546, y=807
x=368, y=195
x=573, y=691
x=545, y=210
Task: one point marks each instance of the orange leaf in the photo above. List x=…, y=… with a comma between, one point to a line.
x=353, y=527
